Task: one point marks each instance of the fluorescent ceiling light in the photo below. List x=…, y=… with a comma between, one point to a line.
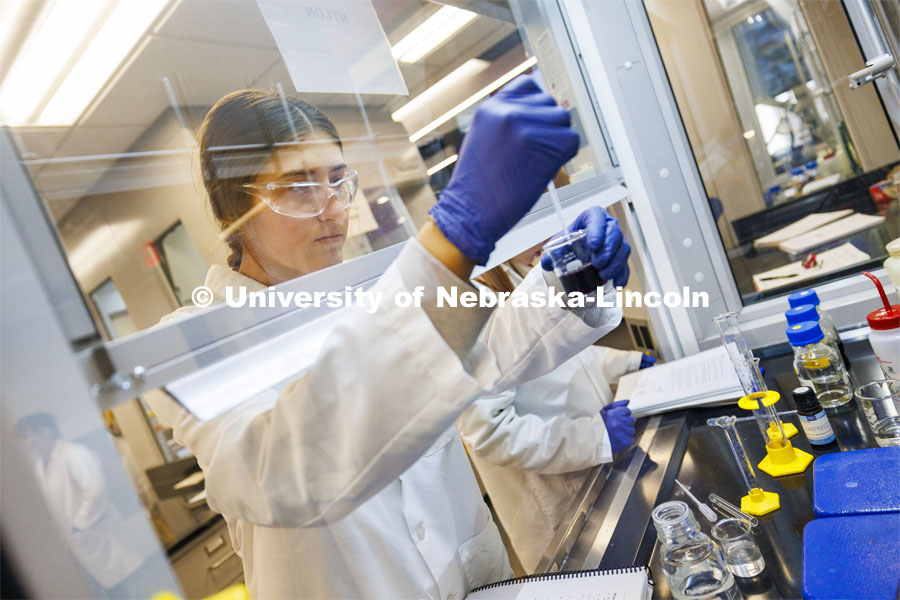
x=57, y=37
x=442, y=88
x=473, y=99
x=437, y=29
x=119, y=34
x=444, y=163
x=383, y=200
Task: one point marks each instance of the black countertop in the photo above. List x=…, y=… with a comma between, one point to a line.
x=611, y=526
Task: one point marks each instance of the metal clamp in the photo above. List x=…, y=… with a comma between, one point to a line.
x=875, y=69
x=119, y=382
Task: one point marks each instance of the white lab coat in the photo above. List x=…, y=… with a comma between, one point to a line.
x=534, y=445
x=75, y=489
x=352, y=482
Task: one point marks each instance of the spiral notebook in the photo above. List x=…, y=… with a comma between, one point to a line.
x=633, y=583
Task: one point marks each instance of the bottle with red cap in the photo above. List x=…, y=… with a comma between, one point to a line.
x=885, y=336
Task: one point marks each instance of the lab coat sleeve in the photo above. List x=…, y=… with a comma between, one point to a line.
x=531, y=341
x=614, y=363
x=382, y=389
x=87, y=475
x=493, y=429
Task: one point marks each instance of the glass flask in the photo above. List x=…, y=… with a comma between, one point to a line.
x=692, y=563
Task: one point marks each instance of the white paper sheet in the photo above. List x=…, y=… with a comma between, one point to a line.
x=829, y=261
x=333, y=46
x=833, y=231
x=804, y=225
x=707, y=377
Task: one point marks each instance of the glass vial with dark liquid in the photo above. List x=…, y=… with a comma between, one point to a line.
x=812, y=417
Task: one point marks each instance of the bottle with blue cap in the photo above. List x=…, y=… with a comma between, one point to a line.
x=811, y=298
x=818, y=365
x=812, y=169
x=808, y=312
x=798, y=178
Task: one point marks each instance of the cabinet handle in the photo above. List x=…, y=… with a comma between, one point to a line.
x=221, y=561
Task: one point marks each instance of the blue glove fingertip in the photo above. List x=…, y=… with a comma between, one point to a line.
x=546, y=262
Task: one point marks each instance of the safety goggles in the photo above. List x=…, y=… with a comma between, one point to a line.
x=306, y=198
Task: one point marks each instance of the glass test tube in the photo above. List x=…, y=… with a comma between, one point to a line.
x=747, y=368
x=737, y=450
x=731, y=510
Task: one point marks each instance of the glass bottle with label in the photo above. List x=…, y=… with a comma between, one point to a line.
x=818, y=366
x=692, y=563
x=812, y=417
x=807, y=297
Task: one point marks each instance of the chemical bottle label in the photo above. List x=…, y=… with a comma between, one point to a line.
x=817, y=428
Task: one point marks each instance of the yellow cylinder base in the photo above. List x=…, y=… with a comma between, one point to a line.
x=758, y=502
x=786, y=460
x=790, y=430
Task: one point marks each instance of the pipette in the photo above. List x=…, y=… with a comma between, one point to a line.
x=781, y=457
x=705, y=510
x=729, y=509
x=551, y=187
x=557, y=205
x=757, y=501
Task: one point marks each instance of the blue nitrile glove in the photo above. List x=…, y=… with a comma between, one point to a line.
x=647, y=361
x=518, y=141
x=619, y=425
x=604, y=238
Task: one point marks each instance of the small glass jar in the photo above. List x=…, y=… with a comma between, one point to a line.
x=692, y=563
x=818, y=366
x=742, y=555
x=880, y=401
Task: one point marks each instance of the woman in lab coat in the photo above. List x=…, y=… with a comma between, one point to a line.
x=352, y=481
x=534, y=445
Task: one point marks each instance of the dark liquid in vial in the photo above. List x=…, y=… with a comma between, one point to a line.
x=585, y=280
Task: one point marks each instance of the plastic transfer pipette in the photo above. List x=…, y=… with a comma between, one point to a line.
x=557, y=205
x=705, y=510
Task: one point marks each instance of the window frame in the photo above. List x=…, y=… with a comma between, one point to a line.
x=621, y=58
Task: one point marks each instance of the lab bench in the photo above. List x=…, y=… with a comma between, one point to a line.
x=611, y=526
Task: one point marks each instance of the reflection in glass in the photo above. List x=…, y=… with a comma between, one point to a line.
x=796, y=117
x=113, y=312
x=182, y=263
x=123, y=165
x=72, y=479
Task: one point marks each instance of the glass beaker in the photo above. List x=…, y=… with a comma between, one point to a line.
x=692, y=563
x=880, y=401
x=742, y=555
x=572, y=263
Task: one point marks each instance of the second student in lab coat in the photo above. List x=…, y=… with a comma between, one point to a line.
x=534, y=445
x=352, y=481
